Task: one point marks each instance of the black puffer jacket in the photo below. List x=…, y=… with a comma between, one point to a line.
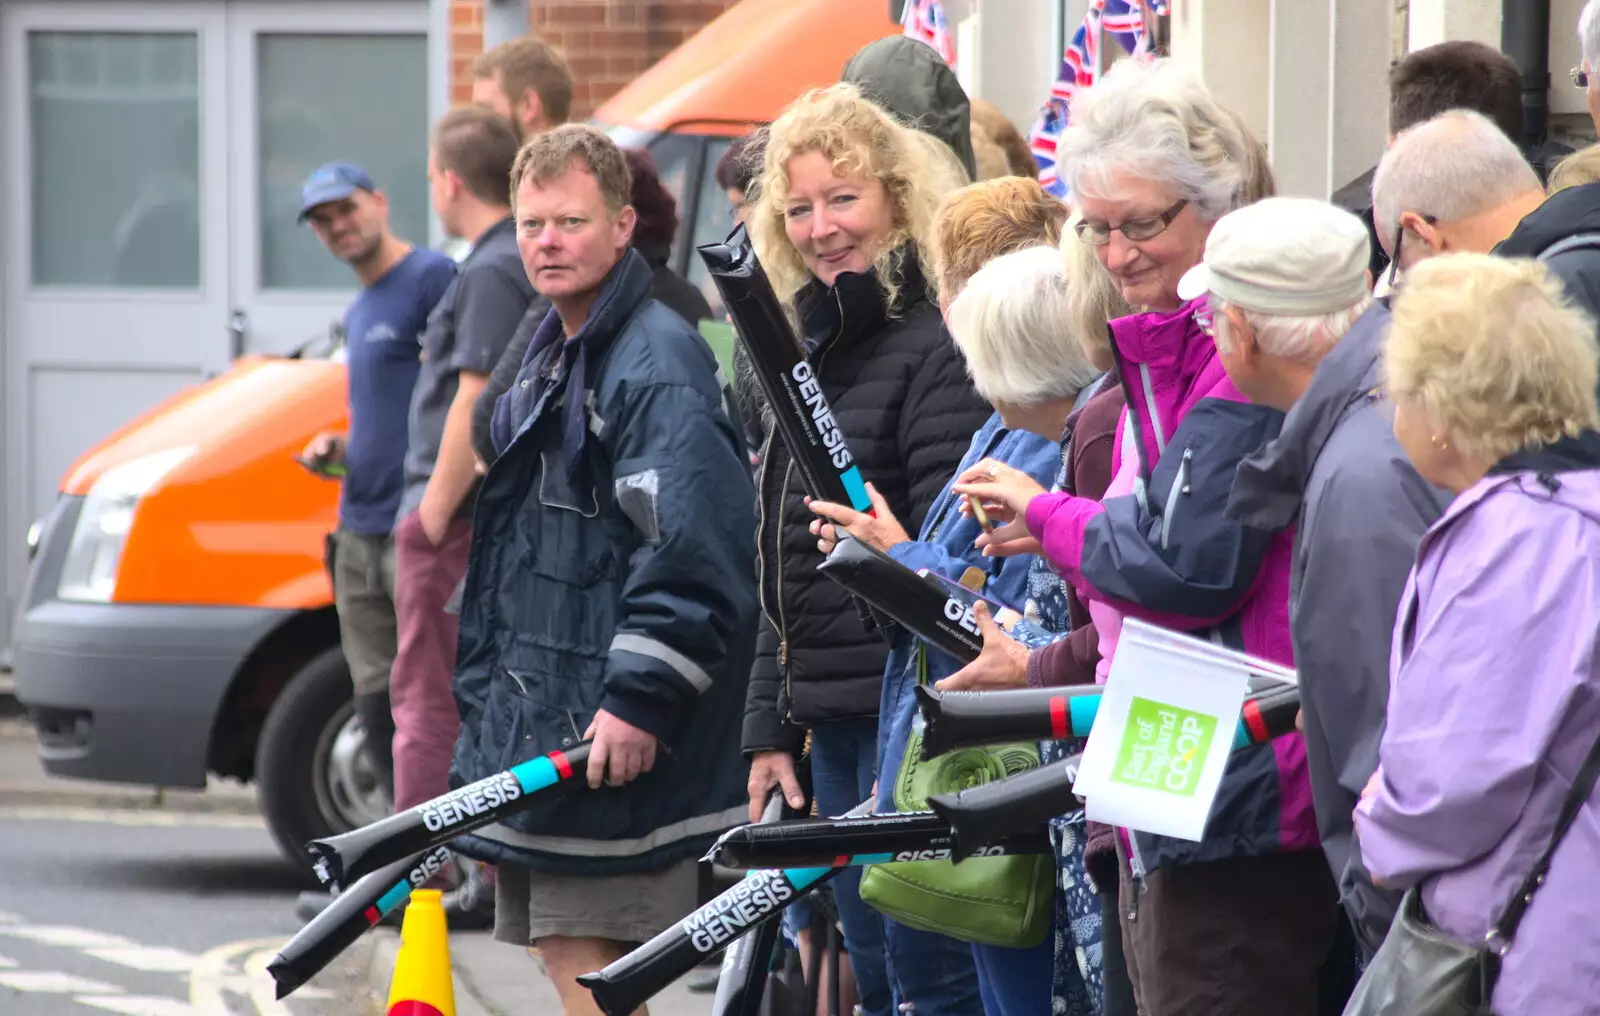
x=900, y=393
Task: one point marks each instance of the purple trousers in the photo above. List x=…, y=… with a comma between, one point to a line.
x=425, y=717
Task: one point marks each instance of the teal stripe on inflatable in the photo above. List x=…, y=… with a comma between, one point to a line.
x=536, y=774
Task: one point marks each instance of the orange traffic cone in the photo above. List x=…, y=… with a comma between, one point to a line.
x=421, y=984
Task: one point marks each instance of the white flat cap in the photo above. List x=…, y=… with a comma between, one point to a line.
x=1285, y=256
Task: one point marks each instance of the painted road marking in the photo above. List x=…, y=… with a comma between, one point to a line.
x=55, y=983
x=138, y=1005
x=67, y=937
x=111, y=816
x=7, y=917
x=7, y=963
x=153, y=959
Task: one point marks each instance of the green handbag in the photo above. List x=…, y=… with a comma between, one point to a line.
x=1004, y=901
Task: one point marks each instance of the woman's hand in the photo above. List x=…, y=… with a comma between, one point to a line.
x=772, y=769
x=1003, y=663
x=879, y=531
x=1005, y=494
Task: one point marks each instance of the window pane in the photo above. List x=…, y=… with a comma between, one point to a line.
x=713, y=221
x=363, y=98
x=116, y=159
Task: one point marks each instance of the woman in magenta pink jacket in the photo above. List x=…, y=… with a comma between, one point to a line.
x=1243, y=920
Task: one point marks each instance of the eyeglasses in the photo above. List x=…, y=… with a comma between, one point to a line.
x=1399, y=238
x=1206, y=318
x=1136, y=230
x=1580, y=77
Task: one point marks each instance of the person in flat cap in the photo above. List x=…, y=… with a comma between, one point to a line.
x=1288, y=286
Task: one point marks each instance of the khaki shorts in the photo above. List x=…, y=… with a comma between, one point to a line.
x=530, y=905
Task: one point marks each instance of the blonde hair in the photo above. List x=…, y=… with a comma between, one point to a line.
x=1493, y=353
x=1012, y=324
x=997, y=127
x=1154, y=120
x=1094, y=297
x=1581, y=167
x=988, y=157
x=983, y=220
x=857, y=136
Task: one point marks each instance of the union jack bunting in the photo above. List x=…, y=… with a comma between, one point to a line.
x=1122, y=22
x=924, y=21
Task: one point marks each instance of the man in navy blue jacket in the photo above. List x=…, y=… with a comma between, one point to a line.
x=610, y=590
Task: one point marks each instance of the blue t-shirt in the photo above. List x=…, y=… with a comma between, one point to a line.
x=383, y=330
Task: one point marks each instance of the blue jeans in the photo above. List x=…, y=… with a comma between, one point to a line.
x=843, y=753
x=935, y=973
x=1016, y=982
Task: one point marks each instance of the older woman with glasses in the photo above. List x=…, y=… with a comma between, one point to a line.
x=1242, y=921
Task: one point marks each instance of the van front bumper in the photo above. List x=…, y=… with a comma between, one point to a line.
x=125, y=693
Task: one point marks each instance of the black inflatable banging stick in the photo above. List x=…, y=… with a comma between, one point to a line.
x=847, y=842
x=919, y=605
x=799, y=409
x=350, y=914
x=1015, y=804
x=989, y=813
x=628, y=983
x=971, y=719
x=349, y=856
x=746, y=962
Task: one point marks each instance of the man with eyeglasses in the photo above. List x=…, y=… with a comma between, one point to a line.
x=1457, y=183
x=1460, y=74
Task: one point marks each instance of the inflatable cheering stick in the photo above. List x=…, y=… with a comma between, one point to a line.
x=989, y=813
x=799, y=409
x=623, y=986
x=633, y=980
x=349, y=856
x=972, y=719
x=745, y=963
x=943, y=620
x=354, y=911
x=849, y=842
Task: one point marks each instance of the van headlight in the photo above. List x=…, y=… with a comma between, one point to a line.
x=89, y=573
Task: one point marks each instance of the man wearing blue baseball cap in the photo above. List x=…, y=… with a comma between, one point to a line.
x=400, y=284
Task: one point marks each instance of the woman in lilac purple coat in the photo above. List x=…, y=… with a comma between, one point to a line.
x=1495, y=681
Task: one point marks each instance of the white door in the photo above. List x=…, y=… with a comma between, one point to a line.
x=115, y=221
x=151, y=155
x=310, y=82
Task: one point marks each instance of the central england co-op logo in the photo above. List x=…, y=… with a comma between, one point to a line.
x=1164, y=747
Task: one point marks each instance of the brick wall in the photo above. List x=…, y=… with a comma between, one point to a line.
x=466, y=42
x=607, y=42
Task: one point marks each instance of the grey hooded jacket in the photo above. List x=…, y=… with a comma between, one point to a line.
x=1336, y=473
x=911, y=80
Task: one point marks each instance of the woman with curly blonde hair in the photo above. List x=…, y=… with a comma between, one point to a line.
x=1494, y=681
x=844, y=226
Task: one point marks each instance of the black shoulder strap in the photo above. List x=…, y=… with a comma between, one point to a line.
x=1500, y=936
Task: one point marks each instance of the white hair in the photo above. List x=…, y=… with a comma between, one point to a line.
x=1453, y=167
x=1302, y=338
x=1155, y=120
x=1013, y=323
x=1589, y=34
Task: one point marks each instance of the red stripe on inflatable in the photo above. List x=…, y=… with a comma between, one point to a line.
x=1058, y=718
x=373, y=917
x=842, y=861
x=562, y=765
x=1255, y=723
x=407, y=1007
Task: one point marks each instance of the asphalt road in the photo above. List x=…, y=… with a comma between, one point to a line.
x=169, y=911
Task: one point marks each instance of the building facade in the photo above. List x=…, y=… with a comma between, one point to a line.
x=151, y=153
